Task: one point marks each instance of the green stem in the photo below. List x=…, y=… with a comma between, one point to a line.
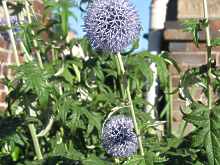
x=182, y=129
x=51, y=120
x=120, y=81
x=209, y=78
x=11, y=35
x=127, y=90
x=26, y=54
x=32, y=32
x=209, y=54
x=170, y=110
x=117, y=161
x=35, y=141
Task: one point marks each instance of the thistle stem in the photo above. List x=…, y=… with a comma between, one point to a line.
x=11, y=35
x=35, y=141
x=119, y=73
x=209, y=54
x=27, y=56
x=32, y=32
x=170, y=110
x=127, y=90
x=51, y=120
x=117, y=161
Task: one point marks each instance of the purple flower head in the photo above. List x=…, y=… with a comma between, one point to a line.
x=14, y=23
x=118, y=137
x=111, y=25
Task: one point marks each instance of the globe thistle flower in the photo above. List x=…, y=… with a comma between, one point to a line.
x=15, y=26
x=118, y=137
x=111, y=25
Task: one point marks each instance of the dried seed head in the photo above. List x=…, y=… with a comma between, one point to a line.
x=111, y=25
x=118, y=137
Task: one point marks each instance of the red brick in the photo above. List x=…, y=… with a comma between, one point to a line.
x=3, y=107
x=177, y=104
x=3, y=57
x=38, y=6
x=177, y=116
x=174, y=72
x=2, y=86
x=12, y=58
x=180, y=35
x=175, y=81
x=3, y=43
x=3, y=70
x=189, y=47
x=215, y=25
x=190, y=58
x=183, y=50
x=217, y=59
x=3, y=96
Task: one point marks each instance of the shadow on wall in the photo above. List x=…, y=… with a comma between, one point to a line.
x=172, y=10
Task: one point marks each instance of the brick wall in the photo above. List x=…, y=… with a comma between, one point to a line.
x=6, y=57
x=181, y=47
x=183, y=50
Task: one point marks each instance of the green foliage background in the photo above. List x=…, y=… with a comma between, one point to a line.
x=80, y=93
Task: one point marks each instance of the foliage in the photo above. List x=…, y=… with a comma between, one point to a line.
x=78, y=91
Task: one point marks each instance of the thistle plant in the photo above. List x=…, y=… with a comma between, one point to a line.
x=48, y=87
x=111, y=26
x=118, y=137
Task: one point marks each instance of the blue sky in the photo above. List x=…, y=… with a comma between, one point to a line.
x=141, y=6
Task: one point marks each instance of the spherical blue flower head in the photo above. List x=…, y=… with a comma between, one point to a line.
x=15, y=26
x=111, y=25
x=118, y=137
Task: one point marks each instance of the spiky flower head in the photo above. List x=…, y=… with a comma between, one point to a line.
x=111, y=25
x=15, y=26
x=118, y=137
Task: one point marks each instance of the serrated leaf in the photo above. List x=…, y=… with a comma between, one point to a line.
x=199, y=117
x=34, y=79
x=66, y=150
x=209, y=131
x=196, y=137
x=136, y=160
x=194, y=26
x=212, y=139
x=92, y=159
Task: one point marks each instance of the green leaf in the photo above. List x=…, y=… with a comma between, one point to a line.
x=64, y=21
x=208, y=133
x=92, y=159
x=15, y=153
x=196, y=138
x=215, y=42
x=66, y=150
x=67, y=75
x=35, y=79
x=194, y=26
x=138, y=159
x=199, y=117
x=161, y=66
x=212, y=138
